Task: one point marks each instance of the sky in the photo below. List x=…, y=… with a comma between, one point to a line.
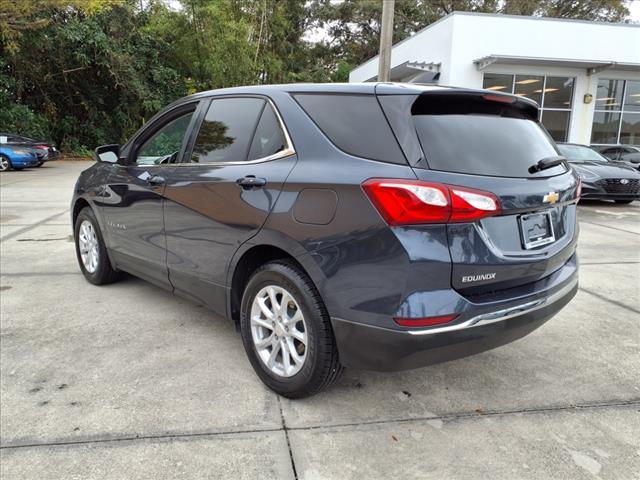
x=634, y=8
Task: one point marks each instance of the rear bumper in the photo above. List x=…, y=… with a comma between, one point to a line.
x=374, y=348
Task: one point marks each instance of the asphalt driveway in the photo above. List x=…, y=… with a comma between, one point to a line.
x=129, y=381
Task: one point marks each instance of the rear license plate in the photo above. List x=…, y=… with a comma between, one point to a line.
x=536, y=229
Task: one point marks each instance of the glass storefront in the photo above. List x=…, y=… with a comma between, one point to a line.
x=617, y=112
x=553, y=94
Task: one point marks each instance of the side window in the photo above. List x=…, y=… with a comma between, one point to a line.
x=354, y=123
x=269, y=138
x=227, y=130
x=164, y=146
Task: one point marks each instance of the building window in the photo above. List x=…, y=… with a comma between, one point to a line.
x=553, y=94
x=617, y=113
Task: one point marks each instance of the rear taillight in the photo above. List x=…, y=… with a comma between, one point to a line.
x=413, y=202
x=425, y=321
x=42, y=147
x=579, y=189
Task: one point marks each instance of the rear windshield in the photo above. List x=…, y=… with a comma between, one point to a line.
x=481, y=138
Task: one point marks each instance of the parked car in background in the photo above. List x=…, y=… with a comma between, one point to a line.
x=373, y=226
x=625, y=153
x=45, y=151
x=17, y=158
x=602, y=179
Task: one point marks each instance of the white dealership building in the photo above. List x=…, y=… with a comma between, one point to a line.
x=584, y=75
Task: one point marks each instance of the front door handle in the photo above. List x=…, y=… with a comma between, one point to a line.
x=155, y=180
x=250, y=181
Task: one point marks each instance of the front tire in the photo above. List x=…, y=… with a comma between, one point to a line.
x=91, y=250
x=624, y=202
x=287, y=333
x=5, y=163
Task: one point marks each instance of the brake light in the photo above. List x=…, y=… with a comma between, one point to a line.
x=424, y=322
x=413, y=202
x=579, y=189
x=42, y=147
x=499, y=98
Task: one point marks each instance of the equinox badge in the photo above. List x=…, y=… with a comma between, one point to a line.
x=475, y=278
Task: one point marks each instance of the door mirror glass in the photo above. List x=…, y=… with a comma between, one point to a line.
x=108, y=153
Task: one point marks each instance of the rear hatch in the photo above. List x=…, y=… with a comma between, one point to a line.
x=488, y=142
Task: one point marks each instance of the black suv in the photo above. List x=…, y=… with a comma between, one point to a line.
x=374, y=226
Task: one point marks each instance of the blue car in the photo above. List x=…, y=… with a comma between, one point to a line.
x=16, y=158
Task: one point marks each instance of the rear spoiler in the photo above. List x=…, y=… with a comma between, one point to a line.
x=474, y=101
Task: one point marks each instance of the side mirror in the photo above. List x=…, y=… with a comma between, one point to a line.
x=108, y=153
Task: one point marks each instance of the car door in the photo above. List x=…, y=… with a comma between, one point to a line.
x=223, y=192
x=133, y=198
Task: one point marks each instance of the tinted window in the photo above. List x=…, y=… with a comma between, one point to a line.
x=468, y=135
x=557, y=123
x=355, y=124
x=227, y=130
x=498, y=81
x=269, y=138
x=163, y=147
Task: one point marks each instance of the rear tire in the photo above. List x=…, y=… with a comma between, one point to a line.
x=624, y=202
x=5, y=163
x=303, y=317
x=94, y=264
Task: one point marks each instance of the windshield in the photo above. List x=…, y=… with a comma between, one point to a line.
x=580, y=153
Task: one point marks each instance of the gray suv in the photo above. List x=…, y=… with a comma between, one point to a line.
x=373, y=226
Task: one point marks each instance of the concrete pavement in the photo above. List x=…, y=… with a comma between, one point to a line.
x=129, y=381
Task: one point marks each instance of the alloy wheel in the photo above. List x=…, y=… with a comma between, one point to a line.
x=4, y=164
x=88, y=246
x=279, y=331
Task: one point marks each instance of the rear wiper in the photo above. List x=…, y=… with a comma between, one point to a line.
x=547, y=162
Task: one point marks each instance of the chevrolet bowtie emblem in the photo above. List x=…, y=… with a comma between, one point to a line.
x=551, y=197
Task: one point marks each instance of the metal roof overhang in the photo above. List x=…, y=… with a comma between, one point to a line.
x=408, y=69
x=591, y=66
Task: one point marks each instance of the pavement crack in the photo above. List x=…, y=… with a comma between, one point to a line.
x=582, y=264
x=31, y=227
x=42, y=239
x=447, y=416
x=286, y=434
x=606, y=299
x=609, y=226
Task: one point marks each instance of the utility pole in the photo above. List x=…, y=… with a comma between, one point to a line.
x=386, y=39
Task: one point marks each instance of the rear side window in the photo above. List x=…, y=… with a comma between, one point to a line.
x=227, y=130
x=468, y=134
x=269, y=138
x=354, y=123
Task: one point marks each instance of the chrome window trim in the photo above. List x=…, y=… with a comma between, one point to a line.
x=288, y=150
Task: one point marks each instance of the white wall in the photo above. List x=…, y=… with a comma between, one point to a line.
x=460, y=38
x=476, y=36
x=432, y=44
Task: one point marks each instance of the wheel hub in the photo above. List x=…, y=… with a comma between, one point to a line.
x=278, y=330
x=88, y=246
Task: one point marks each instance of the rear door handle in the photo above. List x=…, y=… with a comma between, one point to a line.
x=250, y=181
x=155, y=180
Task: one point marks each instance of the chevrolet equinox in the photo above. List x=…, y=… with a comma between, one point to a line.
x=374, y=226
